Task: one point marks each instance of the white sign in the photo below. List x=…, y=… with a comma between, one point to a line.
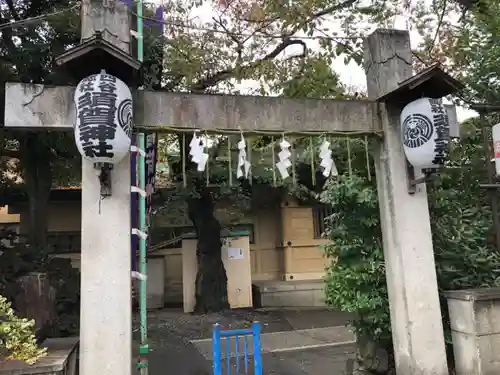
x=425, y=133
x=243, y=164
x=235, y=253
x=327, y=163
x=104, y=115
x=284, y=156
x=197, y=152
x=496, y=147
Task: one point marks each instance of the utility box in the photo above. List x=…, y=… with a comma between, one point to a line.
x=236, y=259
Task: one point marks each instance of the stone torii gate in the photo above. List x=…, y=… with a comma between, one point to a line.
x=105, y=289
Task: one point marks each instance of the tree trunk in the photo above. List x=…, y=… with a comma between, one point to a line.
x=35, y=161
x=211, y=278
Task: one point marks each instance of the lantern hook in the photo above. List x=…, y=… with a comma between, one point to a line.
x=104, y=173
x=428, y=174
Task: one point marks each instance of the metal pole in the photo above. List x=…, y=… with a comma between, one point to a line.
x=491, y=180
x=140, y=31
x=216, y=351
x=141, y=143
x=257, y=350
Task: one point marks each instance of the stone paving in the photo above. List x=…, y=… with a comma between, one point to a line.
x=175, y=339
x=318, y=361
x=286, y=341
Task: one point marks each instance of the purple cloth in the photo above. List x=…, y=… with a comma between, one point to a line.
x=134, y=205
x=151, y=157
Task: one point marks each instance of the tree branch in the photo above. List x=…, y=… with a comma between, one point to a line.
x=176, y=77
x=12, y=10
x=331, y=9
x=215, y=78
x=35, y=8
x=318, y=14
x=440, y=22
x=287, y=41
x=231, y=35
x=9, y=43
x=174, y=81
x=234, y=38
x=355, y=54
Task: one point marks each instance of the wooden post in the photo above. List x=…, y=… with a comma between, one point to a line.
x=417, y=328
x=106, y=316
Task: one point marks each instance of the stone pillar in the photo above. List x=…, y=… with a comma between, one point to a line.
x=36, y=300
x=475, y=330
x=106, y=317
x=417, y=328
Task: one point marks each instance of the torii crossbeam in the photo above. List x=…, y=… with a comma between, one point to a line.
x=27, y=104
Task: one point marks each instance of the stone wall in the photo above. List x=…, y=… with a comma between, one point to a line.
x=475, y=329
x=36, y=300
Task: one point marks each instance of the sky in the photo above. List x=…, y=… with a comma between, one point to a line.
x=351, y=75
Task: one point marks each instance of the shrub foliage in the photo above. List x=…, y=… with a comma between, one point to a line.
x=17, y=336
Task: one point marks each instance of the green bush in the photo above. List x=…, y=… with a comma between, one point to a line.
x=17, y=336
x=355, y=280
x=18, y=259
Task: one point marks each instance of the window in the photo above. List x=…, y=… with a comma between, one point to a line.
x=320, y=213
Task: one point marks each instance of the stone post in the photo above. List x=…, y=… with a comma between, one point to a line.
x=106, y=317
x=475, y=330
x=417, y=328
x=37, y=300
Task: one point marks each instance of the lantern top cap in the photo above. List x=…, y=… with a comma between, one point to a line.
x=96, y=54
x=432, y=82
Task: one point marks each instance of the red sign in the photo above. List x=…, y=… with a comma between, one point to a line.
x=497, y=149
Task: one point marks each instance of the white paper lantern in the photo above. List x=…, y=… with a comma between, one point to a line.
x=425, y=133
x=104, y=115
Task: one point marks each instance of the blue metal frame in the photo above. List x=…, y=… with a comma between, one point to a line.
x=218, y=333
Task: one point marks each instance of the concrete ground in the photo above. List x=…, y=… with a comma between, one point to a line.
x=317, y=361
x=294, y=341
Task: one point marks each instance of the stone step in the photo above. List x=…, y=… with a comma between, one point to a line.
x=297, y=293
x=283, y=341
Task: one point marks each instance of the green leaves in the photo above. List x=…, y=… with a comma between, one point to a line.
x=467, y=46
x=17, y=336
x=355, y=281
x=316, y=80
